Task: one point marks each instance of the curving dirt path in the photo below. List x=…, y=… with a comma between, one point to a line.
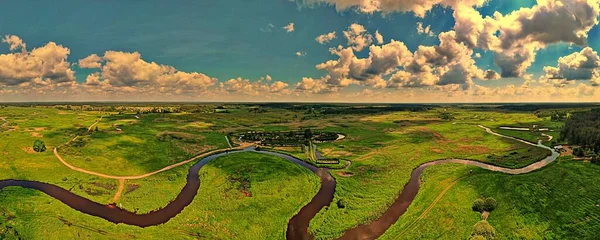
x=67, y=164
x=119, y=191
x=143, y=175
x=376, y=228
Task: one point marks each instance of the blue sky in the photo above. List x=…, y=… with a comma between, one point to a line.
x=236, y=38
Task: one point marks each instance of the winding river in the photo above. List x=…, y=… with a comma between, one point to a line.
x=297, y=225
x=376, y=228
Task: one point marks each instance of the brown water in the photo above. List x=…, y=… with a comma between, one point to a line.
x=297, y=226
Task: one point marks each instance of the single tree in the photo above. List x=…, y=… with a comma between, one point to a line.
x=489, y=204
x=96, y=129
x=308, y=133
x=39, y=146
x=478, y=205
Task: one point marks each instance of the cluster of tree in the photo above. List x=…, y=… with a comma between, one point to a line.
x=487, y=204
x=528, y=107
x=257, y=110
x=376, y=109
x=287, y=138
x=446, y=116
x=294, y=138
x=583, y=129
x=325, y=136
x=558, y=116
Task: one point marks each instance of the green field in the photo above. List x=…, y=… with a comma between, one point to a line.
x=278, y=189
x=558, y=202
x=382, y=147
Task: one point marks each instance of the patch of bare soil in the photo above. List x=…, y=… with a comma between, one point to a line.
x=106, y=186
x=334, y=152
x=485, y=215
x=473, y=149
x=567, y=150
x=345, y=174
x=36, y=134
x=29, y=150
x=94, y=192
x=437, y=150
x=132, y=187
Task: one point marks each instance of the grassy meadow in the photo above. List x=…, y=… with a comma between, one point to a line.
x=557, y=202
x=383, y=148
x=242, y=196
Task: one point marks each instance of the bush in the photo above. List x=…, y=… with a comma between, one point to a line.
x=578, y=152
x=483, y=229
x=489, y=204
x=39, y=146
x=341, y=204
x=477, y=237
x=478, y=205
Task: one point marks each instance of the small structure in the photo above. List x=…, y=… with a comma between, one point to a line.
x=559, y=148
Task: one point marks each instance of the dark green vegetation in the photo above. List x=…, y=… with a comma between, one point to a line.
x=252, y=196
x=39, y=146
x=519, y=157
x=483, y=230
x=285, y=138
x=583, y=129
x=484, y=204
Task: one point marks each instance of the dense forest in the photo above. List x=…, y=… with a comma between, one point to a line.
x=583, y=128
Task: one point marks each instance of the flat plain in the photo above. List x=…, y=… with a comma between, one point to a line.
x=252, y=196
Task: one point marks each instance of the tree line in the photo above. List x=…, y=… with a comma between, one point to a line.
x=583, y=129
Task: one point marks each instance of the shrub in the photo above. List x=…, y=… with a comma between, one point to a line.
x=39, y=146
x=484, y=229
x=489, y=204
x=578, y=152
x=478, y=205
x=341, y=204
x=477, y=237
